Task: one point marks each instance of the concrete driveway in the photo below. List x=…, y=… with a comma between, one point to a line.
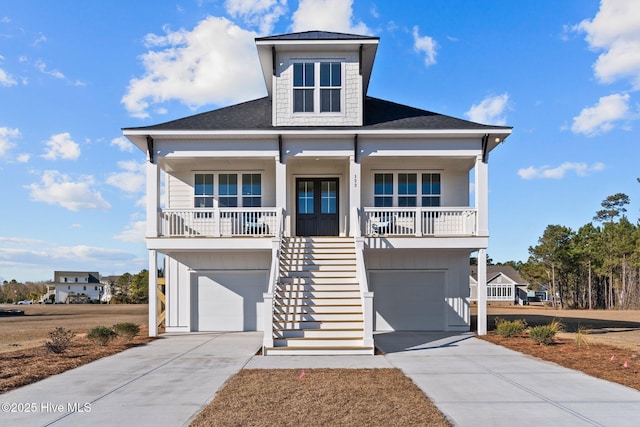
x=164, y=383
x=475, y=383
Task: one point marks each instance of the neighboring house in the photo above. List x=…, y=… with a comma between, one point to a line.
x=73, y=287
x=108, y=283
x=317, y=214
x=504, y=285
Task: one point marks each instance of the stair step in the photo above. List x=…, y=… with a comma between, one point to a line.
x=318, y=267
x=354, y=292
x=319, y=351
x=317, y=301
x=293, y=317
x=318, y=333
x=316, y=256
x=316, y=324
x=317, y=309
x=318, y=274
x=318, y=287
x=302, y=280
x=317, y=342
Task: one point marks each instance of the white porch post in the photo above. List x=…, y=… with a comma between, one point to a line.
x=153, y=293
x=482, y=292
x=153, y=198
x=281, y=190
x=354, y=195
x=482, y=196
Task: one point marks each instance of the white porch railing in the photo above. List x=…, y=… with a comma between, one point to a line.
x=218, y=222
x=416, y=222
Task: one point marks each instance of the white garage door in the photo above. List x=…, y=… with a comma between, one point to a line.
x=228, y=301
x=408, y=300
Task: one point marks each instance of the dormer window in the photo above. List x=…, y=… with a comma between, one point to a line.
x=312, y=94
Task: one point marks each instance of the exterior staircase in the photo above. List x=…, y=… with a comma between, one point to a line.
x=317, y=304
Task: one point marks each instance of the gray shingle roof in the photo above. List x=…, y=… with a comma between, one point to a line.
x=379, y=115
x=494, y=270
x=316, y=35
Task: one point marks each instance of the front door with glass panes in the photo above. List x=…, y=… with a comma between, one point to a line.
x=317, y=207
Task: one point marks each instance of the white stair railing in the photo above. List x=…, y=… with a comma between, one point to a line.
x=268, y=307
x=361, y=275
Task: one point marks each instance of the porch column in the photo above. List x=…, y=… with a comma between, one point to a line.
x=482, y=292
x=354, y=196
x=281, y=189
x=153, y=293
x=482, y=197
x=153, y=198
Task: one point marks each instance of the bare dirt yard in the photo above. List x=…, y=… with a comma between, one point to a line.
x=23, y=359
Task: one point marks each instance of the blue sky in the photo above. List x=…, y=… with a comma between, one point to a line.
x=564, y=74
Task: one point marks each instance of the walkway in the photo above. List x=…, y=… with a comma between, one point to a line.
x=473, y=382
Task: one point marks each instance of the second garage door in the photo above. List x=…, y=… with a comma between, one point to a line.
x=228, y=301
x=408, y=300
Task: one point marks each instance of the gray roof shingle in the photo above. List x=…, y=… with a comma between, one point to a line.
x=317, y=35
x=379, y=115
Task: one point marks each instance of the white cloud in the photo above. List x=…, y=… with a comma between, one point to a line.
x=61, y=146
x=42, y=67
x=123, y=144
x=6, y=79
x=425, y=45
x=547, y=172
x=216, y=62
x=7, y=139
x=56, y=188
x=132, y=180
x=615, y=30
x=261, y=14
x=327, y=15
x=23, y=158
x=133, y=232
x=489, y=110
x=601, y=117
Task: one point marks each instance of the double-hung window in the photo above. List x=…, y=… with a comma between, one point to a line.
x=403, y=189
x=383, y=190
x=430, y=189
x=228, y=190
x=303, y=87
x=330, y=85
x=203, y=190
x=251, y=190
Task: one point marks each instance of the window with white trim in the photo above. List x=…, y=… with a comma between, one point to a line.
x=317, y=86
x=401, y=189
x=203, y=190
x=231, y=190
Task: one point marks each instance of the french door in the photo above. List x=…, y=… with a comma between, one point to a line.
x=317, y=207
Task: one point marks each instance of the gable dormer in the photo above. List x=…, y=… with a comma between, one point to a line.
x=317, y=78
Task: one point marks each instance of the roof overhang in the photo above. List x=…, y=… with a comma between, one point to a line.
x=139, y=136
x=367, y=46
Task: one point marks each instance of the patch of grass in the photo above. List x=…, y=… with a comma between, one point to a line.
x=321, y=397
x=581, y=336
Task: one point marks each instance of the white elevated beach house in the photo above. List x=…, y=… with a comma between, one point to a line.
x=316, y=214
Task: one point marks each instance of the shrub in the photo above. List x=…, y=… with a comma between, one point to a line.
x=544, y=334
x=581, y=336
x=101, y=335
x=513, y=328
x=127, y=330
x=60, y=338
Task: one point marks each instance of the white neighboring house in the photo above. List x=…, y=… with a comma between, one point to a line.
x=317, y=214
x=75, y=287
x=504, y=285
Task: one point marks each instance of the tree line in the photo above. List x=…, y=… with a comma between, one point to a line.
x=596, y=266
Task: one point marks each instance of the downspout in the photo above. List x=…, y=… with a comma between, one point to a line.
x=280, y=147
x=485, y=148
